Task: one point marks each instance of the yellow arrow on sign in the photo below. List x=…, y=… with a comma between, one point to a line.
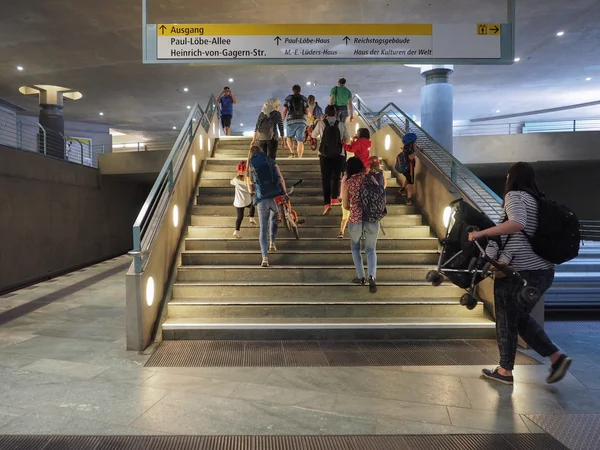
x=485, y=29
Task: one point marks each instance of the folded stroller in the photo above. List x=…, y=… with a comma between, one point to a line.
x=465, y=263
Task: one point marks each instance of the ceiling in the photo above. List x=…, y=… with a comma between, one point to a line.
x=95, y=47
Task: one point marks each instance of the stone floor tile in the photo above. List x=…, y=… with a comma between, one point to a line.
x=37, y=423
x=60, y=348
x=497, y=421
x=92, y=331
x=15, y=361
x=118, y=375
x=65, y=368
x=97, y=428
x=391, y=409
x=518, y=399
x=10, y=413
x=577, y=400
x=9, y=338
x=394, y=427
x=532, y=427
x=285, y=396
x=256, y=375
x=31, y=323
x=184, y=413
x=195, y=385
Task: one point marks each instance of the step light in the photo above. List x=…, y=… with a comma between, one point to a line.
x=446, y=216
x=194, y=163
x=150, y=291
x=388, y=141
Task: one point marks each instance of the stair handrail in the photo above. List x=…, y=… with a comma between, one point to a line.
x=456, y=173
x=155, y=207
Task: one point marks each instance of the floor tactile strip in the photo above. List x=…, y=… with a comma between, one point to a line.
x=576, y=431
x=446, y=442
x=327, y=353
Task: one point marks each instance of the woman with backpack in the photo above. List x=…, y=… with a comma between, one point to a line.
x=513, y=313
x=357, y=226
x=268, y=123
x=405, y=164
x=266, y=183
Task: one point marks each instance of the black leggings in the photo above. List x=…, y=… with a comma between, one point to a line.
x=331, y=170
x=269, y=147
x=240, y=215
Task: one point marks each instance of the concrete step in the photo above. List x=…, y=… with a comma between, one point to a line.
x=315, y=308
x=441, y=327
x=281, y=161
x=307, y=232
x=306, y=182
x=299, y=192
x=312, y=221
x=563, y=295
x=297, y=199
x=287, y=169
x=337, y=291
x=296, y=274
x=575, y=279
x=323, y=244
x=307, y=210
x=313, y=257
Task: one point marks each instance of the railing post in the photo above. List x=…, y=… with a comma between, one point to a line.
x=103, y=149
x=170, y=175
x=574, y=125
x=453, y=172
x=81, y=147
x=19, y=135
x=137, y=248
x=191, y=132
x=406, y=125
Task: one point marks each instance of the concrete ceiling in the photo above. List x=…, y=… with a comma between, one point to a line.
x=95, y=47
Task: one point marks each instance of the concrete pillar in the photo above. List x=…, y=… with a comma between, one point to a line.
x=437, y=103
x=51, y=116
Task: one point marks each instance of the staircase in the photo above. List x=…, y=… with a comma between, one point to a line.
x=221, y=292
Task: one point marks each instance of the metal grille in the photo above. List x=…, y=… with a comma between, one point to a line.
x=327, y=353
x=447, y=442
x=576, y=431
x=573, y=327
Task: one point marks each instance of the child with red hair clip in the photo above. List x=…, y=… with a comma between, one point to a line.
x=243, y=198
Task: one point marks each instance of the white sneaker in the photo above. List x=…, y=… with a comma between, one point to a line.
x=236, y=234
x=272, y=247
x=265, y=262
x=252, y=221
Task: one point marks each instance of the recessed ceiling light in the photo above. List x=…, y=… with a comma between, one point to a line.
x=185, y=89
x=241, y=124
x=231, y=80
x=20, y=68
x=101, y=113
x=588, y=79
x=560, y=33
x=517, y=59
x=399, y=90
x=174, y=128
x=188, y=107
x=497, y=110
x=308, y=83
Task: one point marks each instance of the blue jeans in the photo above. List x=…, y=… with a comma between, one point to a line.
x=267, y=209
x=296, y=131
x=370, y=231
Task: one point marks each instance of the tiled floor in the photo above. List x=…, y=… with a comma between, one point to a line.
x=65, y=370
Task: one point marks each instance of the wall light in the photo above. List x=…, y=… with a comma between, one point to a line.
x=150, y=291
x=208, y=142
x=214, y=131
x=175, y=216
x=388, y=141
x=201, y=142
x=356, y=128
x=446, y=216
x=194, y=163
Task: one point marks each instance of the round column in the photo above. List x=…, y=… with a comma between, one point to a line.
x=437, y=103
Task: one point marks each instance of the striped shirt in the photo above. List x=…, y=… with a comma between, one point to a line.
x=522, y=208
x=278, y=123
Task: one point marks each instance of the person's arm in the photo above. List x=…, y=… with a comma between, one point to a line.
x=345, y=134
x=233, y=99
x=219, y=97
x=384, y=181
x=255, y=136
x=232, y=182
x=351, y=108
x=332, y=96
x=285, y=111
x=308, y=113
x=516, y=213
x=281, y=179
x=280, y=128
x=346, y=197
x=316, y=133
x=351, y=147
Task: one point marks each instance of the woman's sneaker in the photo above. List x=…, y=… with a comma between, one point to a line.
x=372, y=285
x=236, y=234
x=252, y=221
x=360, y=281
x=495, y=375
x=559, y=369
x=272, y=248
x=265, y=262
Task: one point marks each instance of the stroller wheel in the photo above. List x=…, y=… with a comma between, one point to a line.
x=431, y=276
x=530, y=295
x=469, y=301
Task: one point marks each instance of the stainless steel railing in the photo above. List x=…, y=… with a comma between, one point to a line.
x=147, y=223
x=24, y=133
x=463, y=180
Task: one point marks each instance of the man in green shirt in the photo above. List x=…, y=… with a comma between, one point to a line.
x=341, y=98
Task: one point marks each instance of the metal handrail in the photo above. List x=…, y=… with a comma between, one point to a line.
x=146, y=225
x=452, y=169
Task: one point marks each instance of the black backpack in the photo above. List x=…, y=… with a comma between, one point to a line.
x=557, y=237
x=331, y=141
x=266, y=125
x=297, y=108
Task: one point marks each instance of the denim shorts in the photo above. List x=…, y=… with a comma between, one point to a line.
x=296, y=130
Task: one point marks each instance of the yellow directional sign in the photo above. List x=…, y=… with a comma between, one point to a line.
x=485, y=29
x=166, y=29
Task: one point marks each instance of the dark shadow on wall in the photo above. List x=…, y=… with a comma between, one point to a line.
x=572, y=183
x=56, y=217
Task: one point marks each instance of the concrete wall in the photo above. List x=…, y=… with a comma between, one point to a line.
x=56, y=216
x=8, y=125
x=582, y=145
x=132, y=162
